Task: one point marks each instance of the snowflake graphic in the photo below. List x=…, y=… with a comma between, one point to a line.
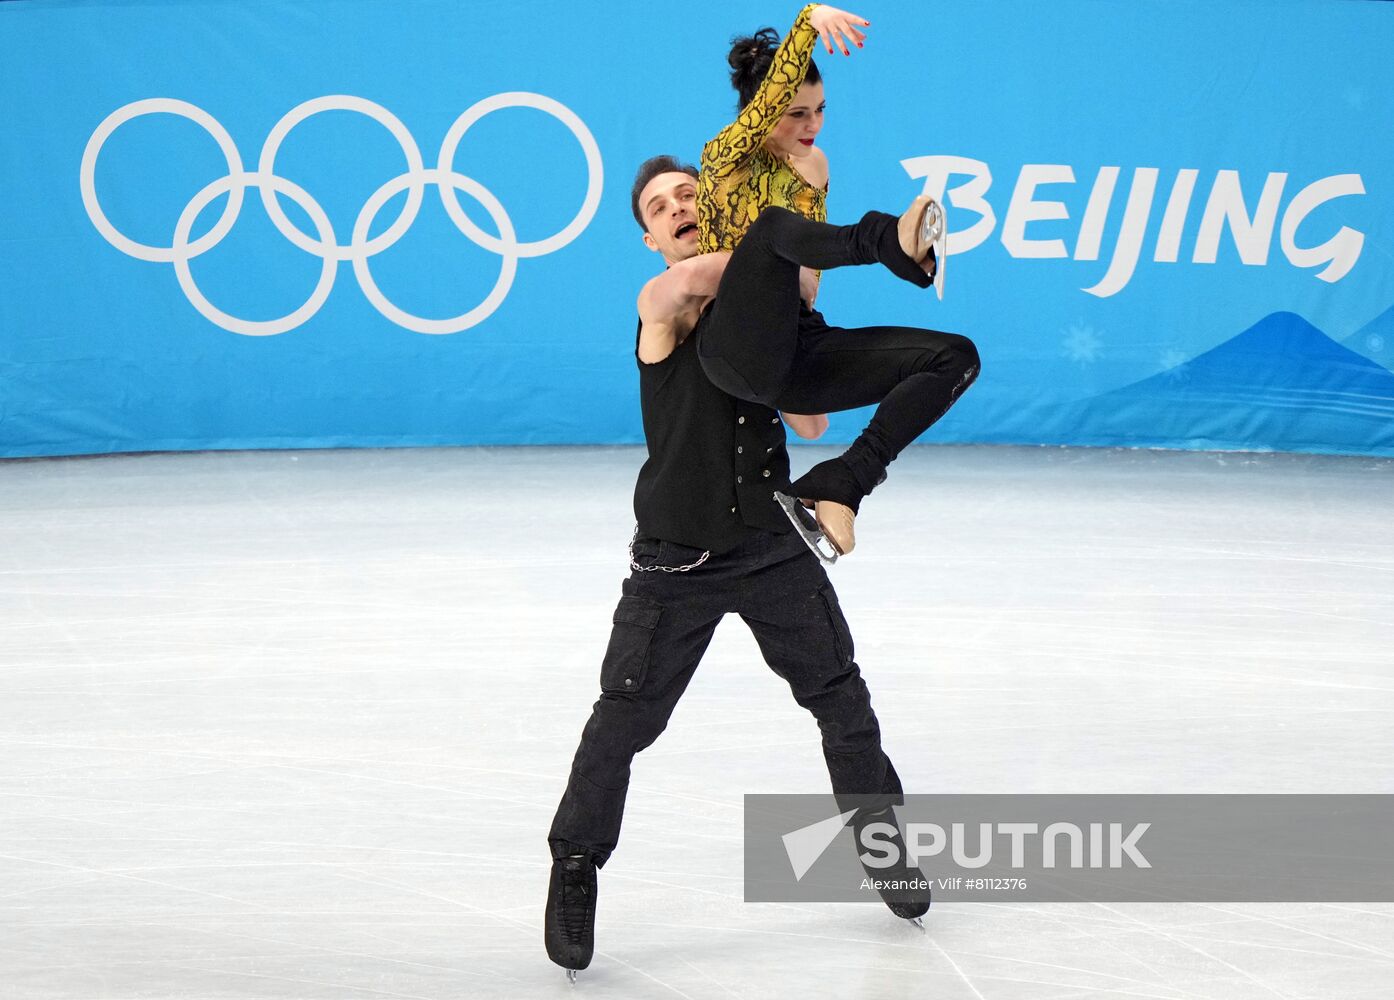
x=1082, y=343
x=1375, y=343
x=1175, y=364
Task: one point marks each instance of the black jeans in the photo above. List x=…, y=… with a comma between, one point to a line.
x=760, y=343
x=662, y=626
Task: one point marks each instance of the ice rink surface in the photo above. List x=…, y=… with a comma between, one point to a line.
x=293, y=725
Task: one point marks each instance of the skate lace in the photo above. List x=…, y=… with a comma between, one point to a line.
x=577, y=902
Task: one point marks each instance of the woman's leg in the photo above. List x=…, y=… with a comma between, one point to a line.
x=915, y=375
x=751, y=338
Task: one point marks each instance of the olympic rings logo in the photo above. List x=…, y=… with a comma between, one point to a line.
x=325, y=244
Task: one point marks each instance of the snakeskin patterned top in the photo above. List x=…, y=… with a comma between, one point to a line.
x=739, y=176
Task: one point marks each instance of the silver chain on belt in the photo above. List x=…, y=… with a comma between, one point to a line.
x=666, y=569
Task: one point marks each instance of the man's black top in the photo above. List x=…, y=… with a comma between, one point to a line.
x=714, y=460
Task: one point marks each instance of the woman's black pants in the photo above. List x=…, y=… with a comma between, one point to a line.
x=760, y=343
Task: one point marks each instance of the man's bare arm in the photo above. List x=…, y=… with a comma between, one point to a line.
x=807, y=425
x=670, y=303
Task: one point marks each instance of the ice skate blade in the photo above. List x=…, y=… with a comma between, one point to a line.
x=935, y=230
x=571, y=976
x=812, y=537
x=919, y=922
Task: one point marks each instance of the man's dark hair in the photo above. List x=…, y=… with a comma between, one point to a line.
x=650, y=169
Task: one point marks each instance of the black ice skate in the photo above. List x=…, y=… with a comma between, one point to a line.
x=935, y=232
x=570, y=925
x=907, y=903
x=834, y=492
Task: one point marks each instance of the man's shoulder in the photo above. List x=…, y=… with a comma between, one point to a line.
x=653, y=306
x=648, y=286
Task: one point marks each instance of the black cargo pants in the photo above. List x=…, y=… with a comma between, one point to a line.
x=662, y=626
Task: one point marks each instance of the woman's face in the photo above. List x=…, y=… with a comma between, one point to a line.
x=794, y=134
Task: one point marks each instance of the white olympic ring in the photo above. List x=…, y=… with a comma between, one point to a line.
x=234, y=184
x=360, y=248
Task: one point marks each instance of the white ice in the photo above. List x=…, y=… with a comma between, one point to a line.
x=294, y=724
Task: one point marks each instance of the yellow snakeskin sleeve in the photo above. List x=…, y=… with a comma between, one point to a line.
x=739, y=177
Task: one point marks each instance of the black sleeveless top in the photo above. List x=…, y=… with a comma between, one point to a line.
x=714, y=460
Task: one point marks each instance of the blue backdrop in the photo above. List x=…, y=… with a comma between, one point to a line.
x=1170, y=219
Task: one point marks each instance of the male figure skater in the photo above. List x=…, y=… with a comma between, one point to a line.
x=711, y=540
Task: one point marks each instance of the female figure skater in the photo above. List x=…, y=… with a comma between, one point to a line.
x=768, y=345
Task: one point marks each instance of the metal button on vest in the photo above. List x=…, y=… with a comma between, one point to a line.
x=774, y=420
x=766, y=473
x=733, y=510
x=740, y=420
x=739, y=480
x=629, y=682
x=740, y=450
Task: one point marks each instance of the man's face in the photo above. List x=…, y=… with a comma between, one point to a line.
x=668, y=205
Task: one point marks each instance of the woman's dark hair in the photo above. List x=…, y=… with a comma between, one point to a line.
x=650, y=169
x=750, y=59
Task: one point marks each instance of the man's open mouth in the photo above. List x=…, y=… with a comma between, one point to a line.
x=684, y=229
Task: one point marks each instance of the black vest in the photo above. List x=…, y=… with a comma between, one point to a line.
x=714, y=460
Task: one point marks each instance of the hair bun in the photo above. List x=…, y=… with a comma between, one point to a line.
x=748, y=52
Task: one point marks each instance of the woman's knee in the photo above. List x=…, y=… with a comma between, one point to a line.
x=967, y=352
x=962, y=357
x=944, y=354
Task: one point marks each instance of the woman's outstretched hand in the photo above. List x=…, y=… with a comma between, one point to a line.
x=838, y=26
